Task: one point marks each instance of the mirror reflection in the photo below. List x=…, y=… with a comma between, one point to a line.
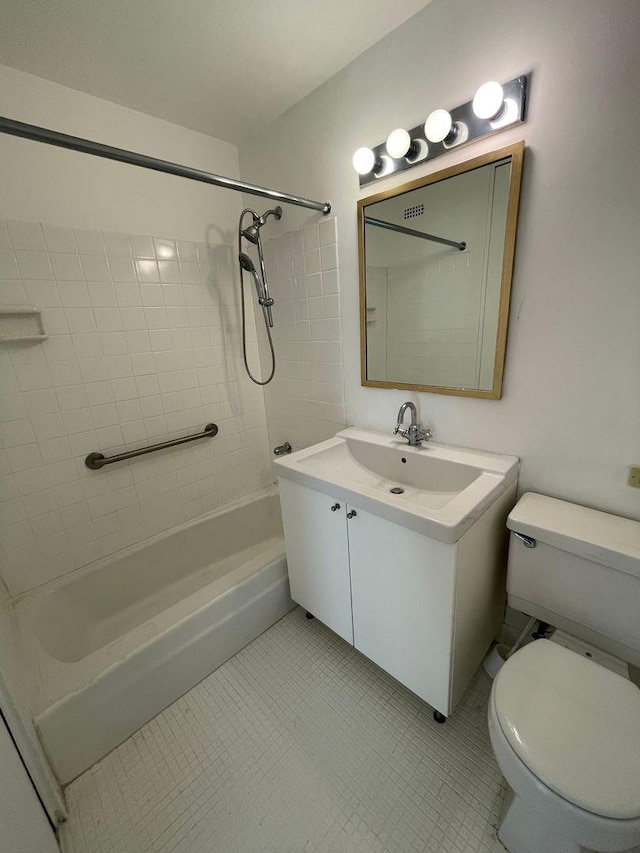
x=435, y=262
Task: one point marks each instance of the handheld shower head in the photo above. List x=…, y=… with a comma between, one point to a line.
x=246, y=263
x=252, y=234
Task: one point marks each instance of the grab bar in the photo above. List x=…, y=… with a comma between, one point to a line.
x=95, y=461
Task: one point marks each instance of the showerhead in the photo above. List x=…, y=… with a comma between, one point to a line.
x=252, y=233
x=246, y=263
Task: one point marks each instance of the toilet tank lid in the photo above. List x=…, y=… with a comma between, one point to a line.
x=598, y=536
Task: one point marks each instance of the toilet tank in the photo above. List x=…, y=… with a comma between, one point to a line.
x=579, y=571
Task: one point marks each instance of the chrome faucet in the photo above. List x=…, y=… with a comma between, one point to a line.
x=415, y=433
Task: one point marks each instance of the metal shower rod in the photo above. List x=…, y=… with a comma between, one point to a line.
x=391, y=226
x=98, y=149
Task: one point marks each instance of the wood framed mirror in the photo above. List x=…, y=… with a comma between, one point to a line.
x=436, y=260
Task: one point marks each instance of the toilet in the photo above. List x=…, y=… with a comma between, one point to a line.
x=565, y=730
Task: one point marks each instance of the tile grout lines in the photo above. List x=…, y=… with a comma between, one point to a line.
x=297, y=743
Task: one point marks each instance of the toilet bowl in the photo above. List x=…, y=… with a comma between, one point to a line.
x=566, y=735
x=564, y=729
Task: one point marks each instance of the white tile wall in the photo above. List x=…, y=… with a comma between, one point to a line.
x=376, y=323
x=143, y=344
x=434, y=320
x=305, y=400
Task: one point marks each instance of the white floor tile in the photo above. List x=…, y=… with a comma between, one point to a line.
x=298, y=743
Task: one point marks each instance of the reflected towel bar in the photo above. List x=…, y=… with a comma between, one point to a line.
x=95, y=461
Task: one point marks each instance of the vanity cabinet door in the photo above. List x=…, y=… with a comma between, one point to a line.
x=318, y=555
x=403, y=597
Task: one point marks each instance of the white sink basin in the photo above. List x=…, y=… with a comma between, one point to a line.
x=444, y=489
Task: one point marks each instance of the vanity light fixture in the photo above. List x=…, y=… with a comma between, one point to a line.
x=399, y=143
x=488, y=101
x=439, y=127
x=364, y=161
x=494, y=107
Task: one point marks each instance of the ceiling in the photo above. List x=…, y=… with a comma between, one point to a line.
x=223, y=67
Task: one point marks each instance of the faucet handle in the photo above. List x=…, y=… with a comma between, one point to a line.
x=424, y=434
x=403, y=431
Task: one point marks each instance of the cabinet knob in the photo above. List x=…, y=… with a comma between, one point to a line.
x=352, y=514
x=335, y=507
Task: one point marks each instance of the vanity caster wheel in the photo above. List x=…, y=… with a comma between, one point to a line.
x=439, y=718
x=310, y=615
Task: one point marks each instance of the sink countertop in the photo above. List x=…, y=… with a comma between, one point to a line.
x=446, y=488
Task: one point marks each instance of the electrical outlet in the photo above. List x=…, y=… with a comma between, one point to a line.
x=634, y=476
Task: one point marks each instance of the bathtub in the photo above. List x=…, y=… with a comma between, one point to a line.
x=112, y=645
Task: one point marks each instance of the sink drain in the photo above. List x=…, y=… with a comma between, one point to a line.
x=396, y=490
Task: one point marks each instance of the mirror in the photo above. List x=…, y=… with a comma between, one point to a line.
x=436, y=257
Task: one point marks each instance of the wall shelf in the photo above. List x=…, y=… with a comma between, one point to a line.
x=21, y=323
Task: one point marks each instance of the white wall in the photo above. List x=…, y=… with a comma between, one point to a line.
x=24, y=822
x=46, y=184
x=143, y=336
x=571, y=408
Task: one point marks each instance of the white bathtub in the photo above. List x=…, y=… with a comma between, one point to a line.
x=116, y=643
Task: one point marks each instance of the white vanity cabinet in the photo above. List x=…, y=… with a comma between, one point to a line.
x=318, y=555
x=424, y=611
x=402, y=590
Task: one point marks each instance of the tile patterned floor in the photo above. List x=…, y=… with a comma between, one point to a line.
x=298, y=743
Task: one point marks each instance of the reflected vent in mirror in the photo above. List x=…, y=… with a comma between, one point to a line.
x=414, y=210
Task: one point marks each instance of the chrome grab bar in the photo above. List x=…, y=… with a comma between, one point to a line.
x=95, y=461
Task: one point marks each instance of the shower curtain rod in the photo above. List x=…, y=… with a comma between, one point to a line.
x=391, y=226
x=98, y=149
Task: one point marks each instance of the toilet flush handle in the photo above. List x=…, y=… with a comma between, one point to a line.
x=527, y=540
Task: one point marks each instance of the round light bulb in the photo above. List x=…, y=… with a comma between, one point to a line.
x=398, y=143
x=438, y=125
x=488, y=100
x=363, y=161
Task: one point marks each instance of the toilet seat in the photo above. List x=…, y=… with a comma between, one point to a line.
x=564, y=827
x=574, y=725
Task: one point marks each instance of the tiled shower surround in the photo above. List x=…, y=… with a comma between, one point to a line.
x=143, y=344
x=432, y=327
x=305, y=401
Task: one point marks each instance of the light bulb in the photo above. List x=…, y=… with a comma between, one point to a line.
x=398, y=143
x=438, y=126
x=488, y=100
x=363, y=161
